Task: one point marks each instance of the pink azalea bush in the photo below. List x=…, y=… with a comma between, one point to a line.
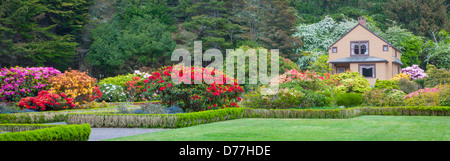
x=423, y=97
x=414, y=72
x=420, y=91
x=19, y=82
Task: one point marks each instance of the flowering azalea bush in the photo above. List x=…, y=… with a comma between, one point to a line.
x=414, y=72
x=397, y=77
x=46, y=101
x=215, y=94
x=77, y=85
x=134, y=90
x=18, y=82
x=423, y=97
x=306, y=89
x=112, y=93
x=383, y=97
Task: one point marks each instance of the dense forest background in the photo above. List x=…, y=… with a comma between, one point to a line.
x=111, y=37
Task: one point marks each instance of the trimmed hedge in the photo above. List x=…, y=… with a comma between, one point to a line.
x=154, y=120
x=45, y=132
x=45, y=117
x=197, y=118
x=408, y=111
x=303, y=113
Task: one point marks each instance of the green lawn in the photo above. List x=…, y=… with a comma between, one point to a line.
x=364, y=128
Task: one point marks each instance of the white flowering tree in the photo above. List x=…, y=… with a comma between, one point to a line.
x=320, y=35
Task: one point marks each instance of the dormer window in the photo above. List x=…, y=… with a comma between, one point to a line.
x=359, y=48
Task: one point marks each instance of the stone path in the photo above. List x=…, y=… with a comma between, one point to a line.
x=98, y=134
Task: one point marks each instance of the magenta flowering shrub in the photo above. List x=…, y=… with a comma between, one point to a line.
x=414, y=72
x=19, y=82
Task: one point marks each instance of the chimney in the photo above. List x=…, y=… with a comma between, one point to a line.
x=362, y=21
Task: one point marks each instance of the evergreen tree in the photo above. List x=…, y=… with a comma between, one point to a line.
x=419, y=16
x=30, y=34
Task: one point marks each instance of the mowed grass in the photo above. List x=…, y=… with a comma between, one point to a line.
x=363, y=128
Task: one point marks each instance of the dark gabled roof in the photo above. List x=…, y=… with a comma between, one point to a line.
x=359, y=59
x=359, y=24
x=397, y=61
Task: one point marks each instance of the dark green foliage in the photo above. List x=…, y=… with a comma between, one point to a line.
x=436, y=76
x=444, y=94
x=51, y=133
x=349, y=99
x=40, y=33
x=121, y=48
x=423, y=15
x=407, y=86
x=313, y=11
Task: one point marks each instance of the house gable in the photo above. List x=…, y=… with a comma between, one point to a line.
x=342, y=53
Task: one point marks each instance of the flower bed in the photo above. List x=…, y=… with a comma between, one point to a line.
x=46, y=101
x=18, y=82
x=211, y=92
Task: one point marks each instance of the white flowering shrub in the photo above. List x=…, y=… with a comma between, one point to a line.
x=112, y=93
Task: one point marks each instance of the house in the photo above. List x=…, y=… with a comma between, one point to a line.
x=364, y=51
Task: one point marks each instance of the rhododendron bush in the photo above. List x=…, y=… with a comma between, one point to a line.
x=46, y=101
x=77, y=85
x=423, y=97
x=18, y=82
x=414, y=72
x=297, y=89
x=212, y=92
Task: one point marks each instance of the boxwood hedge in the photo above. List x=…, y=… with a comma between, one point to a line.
x=37, y=132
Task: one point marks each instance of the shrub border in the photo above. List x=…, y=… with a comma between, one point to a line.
x=197, y=118
x=38, y=132
x=46, y=116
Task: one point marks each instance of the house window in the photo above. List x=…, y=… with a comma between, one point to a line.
x=385, y=48
x=340, y=70
x=334, y=49
x=367, y=71
x=395, y=53
x=360, y=48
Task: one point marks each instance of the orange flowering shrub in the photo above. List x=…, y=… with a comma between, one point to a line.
x=75, y=84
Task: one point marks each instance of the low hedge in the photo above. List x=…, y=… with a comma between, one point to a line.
x=191, y=119
x=45, y=117
x=37, y=132
x=407, y=111
x=303, y=113
x=154, y=120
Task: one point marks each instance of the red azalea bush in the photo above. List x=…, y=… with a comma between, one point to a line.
x=46, y=101
x=193, y=97
x=134, y=89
